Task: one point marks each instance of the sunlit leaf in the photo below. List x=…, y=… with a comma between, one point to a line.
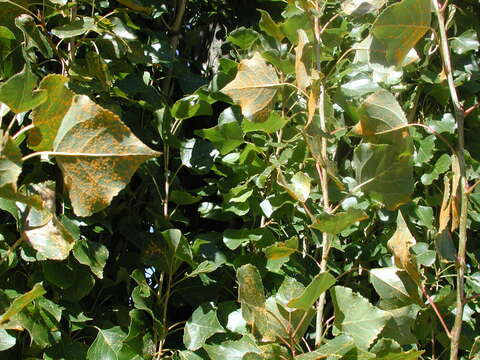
x=92, y=254
x=302, y=77
x=48, y=117
x=400, y=244
x=254, y=87
x=20, y=302
x=75, y=28
x=336, y=223
x=243, y=37
x=232, y=349
x=388, y=349
x=468, y=41
x=320, y=283
x=202, y=324
x=358, y=318
x=6, y=340
x=389, y=283
x=10, y=165
x=97, y=154
x=269, y=26
x=282, y=250
x=400, y=26
x=34, y=37
x=361, y=7
x=107, y=344
x=44, y=231
x=19, y=92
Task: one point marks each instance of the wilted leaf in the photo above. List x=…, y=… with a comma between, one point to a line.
x=335, y=224
x=44, y=231
x=19, y=92
x=400, y=26
x=254, y=87
x=97, y=154
x=302, y=77
x=400, y=244
x=21, y=302
x=202, y=324
x=320, y=283
x=48, y=117
x=358, y=318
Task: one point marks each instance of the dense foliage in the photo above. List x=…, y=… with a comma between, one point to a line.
x=242, y=180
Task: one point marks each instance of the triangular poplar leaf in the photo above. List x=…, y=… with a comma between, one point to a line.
x=254, y=87
x=202, y=324
x=400, y=26
x=358, y=318
x=19, y=92
x=47, y=117
x=97, y=153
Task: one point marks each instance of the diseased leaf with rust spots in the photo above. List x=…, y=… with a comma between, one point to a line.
x=97, y=153
x=400, y=244
x=44, y=231
x=254, y=87
x=48, y=117
x=400, y=26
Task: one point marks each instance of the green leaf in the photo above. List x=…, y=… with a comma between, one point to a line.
x=299, y=188
x=75, y=28
x=19, y=92
x=6, y=340
x=204, y=267
x=320, y=283
x=243, y=37
x=107, y=344
x=468, y=41
x=231, y=350
x=188, y=355
x=361, y=7
x=58, y=273
x=335, y=224
x=400, y=325
x=82, y=284
x=341, y=347
x=183, y=198
x=388, y=349
x=48, y=117
x=34, y=38
x=202, y=325
x=441, y=166
x=282, y=250
x=390, y=283
x=380, y=116
x=10, y=165
x=191, y=106
x=303, y=79
x=400, y=26
x=233, y=238
x=175, y=250
x=358, y=318
x=274, y=123
x=198, y=155
x=269, y=26
x=227, y=135
x=475, y=350
x=92, y=254
x=20, y=302
x=384, y=174
x=97, y=154
x=254, y=87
